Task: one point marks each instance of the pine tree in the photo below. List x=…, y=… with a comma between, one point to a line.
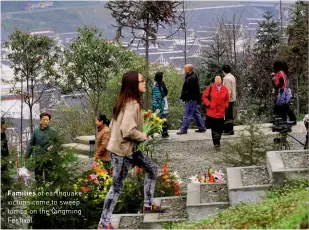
x=264, y=54
x=295, y=53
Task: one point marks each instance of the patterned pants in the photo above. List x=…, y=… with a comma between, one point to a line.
x=121, y=167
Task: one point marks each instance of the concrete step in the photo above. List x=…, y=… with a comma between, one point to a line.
x=240, y=192
x=127, y=221
x=204, y=200
x=84, y=139
x=175, y=211
x=81, y=149
x=288, y=165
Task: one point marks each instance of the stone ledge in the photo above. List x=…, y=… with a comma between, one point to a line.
x=277, y=170
x=117, y=219
x=200, y=211
x=238, y=192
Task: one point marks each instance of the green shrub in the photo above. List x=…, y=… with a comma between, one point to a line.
x=249, y=150
x=285, y=207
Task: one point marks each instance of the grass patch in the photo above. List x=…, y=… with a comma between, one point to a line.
x=283, y=208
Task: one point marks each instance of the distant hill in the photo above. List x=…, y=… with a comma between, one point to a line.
x=66, y=16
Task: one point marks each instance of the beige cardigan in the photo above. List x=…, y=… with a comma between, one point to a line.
x=126, y=130
x=229, y=82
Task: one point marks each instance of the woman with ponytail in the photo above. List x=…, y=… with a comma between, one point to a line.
x=102, y=139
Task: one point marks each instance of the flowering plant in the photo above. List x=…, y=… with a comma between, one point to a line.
x=97, y=183
x=216, y=177
x=152, y=126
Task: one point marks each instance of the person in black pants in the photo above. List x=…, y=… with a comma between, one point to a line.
x=216, y=99
x=281, y=83
x=229, y=82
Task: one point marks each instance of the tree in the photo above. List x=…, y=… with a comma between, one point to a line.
x=264, y=54
x=144, y=19
x=90, y=62
x=295, y=52
x=33, y=59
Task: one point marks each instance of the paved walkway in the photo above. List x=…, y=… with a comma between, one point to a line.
x=192, y=135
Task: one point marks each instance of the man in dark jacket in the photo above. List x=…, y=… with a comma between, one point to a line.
x=191, y=96
x=42, y=140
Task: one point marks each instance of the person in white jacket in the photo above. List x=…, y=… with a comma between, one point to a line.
x=229, y=82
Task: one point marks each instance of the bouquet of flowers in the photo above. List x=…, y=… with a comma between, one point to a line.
x=216, y=177
x=152, y=126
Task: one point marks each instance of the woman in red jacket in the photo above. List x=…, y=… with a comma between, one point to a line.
x=216, y=99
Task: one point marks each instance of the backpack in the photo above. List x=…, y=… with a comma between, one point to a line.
x=284, y=96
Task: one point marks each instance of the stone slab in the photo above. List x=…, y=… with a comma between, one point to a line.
x=127, y=221
x=80, y=148
x=84, y=139
x=201, y=211
x=238, y=192
x=277, y=170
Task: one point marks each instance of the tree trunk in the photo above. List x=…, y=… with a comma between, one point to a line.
x=298, y=94
x=146, y=74
x=31, y=120
x=185, y=31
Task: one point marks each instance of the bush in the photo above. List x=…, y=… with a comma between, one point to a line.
x=285, y=207
x=249, y=150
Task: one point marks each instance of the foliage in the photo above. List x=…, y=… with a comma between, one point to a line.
x=33, y=59
x=9, y=182
x=264, y=54
x=90, y=62
x=72, y=122
x=97, y=183
x=295, y=53
x=60, y=180
x=249, y=150
x=278, y=210
x=131, y=199
x=144, y=19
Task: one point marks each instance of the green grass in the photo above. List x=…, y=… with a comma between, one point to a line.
x=284, y=208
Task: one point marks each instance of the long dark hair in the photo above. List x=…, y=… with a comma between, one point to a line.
x=129, y=91
x=103, y=118
x=159, y=80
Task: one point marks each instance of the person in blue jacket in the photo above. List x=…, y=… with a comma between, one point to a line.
x=159, y=100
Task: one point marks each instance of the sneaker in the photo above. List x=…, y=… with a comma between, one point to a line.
x=165, y=135
x=200, y=130
x=217, y=147
x=180, y=132
x=153, y=209
x=109, y=226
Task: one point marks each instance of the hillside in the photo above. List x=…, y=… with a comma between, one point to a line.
x=65, y=16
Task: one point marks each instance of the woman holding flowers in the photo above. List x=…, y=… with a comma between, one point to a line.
x=126, y=132
x=159, y=100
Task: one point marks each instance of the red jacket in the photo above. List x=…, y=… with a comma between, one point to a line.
x=278, y=76
x=218, y=103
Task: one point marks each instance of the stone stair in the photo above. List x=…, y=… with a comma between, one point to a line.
x=192, y=154
x=204, y=200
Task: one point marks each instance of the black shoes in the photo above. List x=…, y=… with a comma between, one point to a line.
x=165, y=135
x=200, y=130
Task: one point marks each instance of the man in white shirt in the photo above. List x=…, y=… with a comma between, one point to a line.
x=230, y=83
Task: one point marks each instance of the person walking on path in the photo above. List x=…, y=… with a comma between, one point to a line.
x=159, y=100
x=216, y=99
x=191, y=96
x=229, y=82
x=126, y=133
